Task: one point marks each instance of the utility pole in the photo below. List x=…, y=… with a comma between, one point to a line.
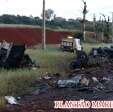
x=84, y=27
x=94, y=22
x=43, y=28
x=112, y=26
x=94, y=26
x=103, y=26
x=102, y=30
x=84, y=18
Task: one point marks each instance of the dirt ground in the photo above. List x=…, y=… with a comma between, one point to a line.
x=44, y=102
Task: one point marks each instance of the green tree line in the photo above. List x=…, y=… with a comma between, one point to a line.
x=53, y=23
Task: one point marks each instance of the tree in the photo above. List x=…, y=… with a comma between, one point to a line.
x=49, y=14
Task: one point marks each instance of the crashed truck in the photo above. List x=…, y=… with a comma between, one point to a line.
x=96, y=57
x=13, y=56
x=70, y=44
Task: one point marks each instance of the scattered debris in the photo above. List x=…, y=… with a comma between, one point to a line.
x=11, y=100
x=66, y=83
x=72, y=82
x=43, y=88
x=109, y=91
x=95, y=80
x=84, y=81
x=77, y=79
x=81, y=60
x=36, y=92
x=86, y=89
x=13, y=56
x=96, y=57
x=47, y=77
x=57, y=75
x=93, y=87
x=105, y=80
x=34, y=68
x=100, y=86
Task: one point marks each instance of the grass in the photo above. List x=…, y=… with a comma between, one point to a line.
x=17, y=82
x=52, y=60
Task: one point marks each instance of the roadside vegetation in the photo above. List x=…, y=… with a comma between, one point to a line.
x=19, y=81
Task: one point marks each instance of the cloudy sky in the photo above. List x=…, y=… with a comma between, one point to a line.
x=62, y=8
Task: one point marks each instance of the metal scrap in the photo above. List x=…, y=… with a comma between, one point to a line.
x=13, y=56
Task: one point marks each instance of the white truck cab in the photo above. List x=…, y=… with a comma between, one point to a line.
x=70, y=44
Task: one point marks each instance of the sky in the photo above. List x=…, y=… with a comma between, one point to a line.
x=62, y=8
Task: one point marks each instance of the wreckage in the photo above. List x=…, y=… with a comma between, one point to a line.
x=13, y=56
x=96, y=57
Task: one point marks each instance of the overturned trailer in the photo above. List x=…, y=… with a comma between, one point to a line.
x=13, y=56
x=96, y=57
